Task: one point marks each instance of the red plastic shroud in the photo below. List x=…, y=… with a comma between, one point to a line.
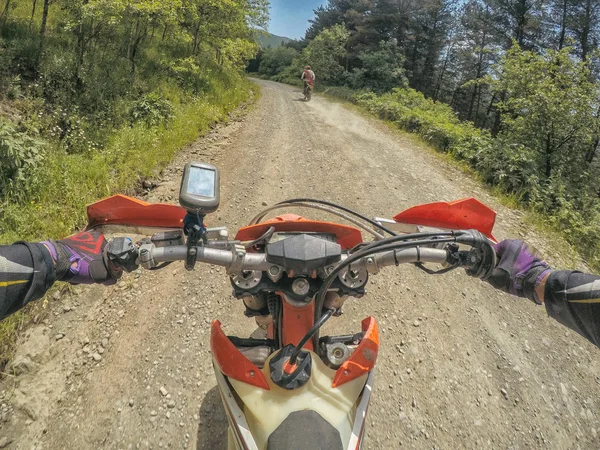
x=232, y=362
x=346, y=236
x=123, y=210
x=296, y=321
x=464, y=214
x=364, y=357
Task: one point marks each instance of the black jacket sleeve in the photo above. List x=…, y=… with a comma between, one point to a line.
x=573, y=298
x=26, y=273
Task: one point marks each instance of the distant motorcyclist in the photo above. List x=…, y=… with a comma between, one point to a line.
x=308, y=76
x=27, y=271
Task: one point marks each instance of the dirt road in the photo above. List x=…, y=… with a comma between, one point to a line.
x=461, y=365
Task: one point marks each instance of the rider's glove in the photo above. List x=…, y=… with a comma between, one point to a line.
x=80, y=259
x=519, y=270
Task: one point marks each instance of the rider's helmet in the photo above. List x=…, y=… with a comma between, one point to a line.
x=307, y=67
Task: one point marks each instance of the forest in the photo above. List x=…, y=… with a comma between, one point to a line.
x=510, y=87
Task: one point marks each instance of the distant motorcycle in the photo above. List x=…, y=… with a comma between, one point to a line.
x=295, y=389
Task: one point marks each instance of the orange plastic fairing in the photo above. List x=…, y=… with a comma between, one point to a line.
x=123, y=210
x=346, y=236
x=296, y=323
x=364, y=357
x=232, y=362
x=464, y=214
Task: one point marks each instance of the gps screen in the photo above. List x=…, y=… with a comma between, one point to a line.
x=201, y=182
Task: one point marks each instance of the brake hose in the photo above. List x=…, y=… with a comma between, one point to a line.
x=318, y=324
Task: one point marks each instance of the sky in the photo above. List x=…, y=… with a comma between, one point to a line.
x=289, y=18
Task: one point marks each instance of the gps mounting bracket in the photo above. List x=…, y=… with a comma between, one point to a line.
x=193, y=227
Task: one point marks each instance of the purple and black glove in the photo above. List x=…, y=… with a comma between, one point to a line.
x=519, y=270
x=80, y=259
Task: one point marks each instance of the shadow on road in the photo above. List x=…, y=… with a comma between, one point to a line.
x=212, y=429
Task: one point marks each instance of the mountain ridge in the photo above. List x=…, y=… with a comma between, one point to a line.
x=272, y=40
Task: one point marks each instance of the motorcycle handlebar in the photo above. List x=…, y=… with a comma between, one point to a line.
x=403, y=256
x=151, y=256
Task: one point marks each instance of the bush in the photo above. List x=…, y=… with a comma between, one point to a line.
x=152, y=110
x=20, y=157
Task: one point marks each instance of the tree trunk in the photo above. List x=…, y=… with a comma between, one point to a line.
x=44, y=19
x=563, y=26
x=81, y=44
x=4, y=14
x=32, y=13
x=478, y=107
x=591, y=153
x=521, y=22
x=585, y=31
x=488, y=112
x=140, y=36
x=42, y=32
x=196, y=37
x=438, y=85
x=548, y=155
x=482, y=45
x=426, y=77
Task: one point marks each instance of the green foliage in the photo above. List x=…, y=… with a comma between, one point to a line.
x=435, y=122
x=9, y=328
x=275, y=60
x=381, y=70
x=548, y=105
x=152, y=110
x=20, y=157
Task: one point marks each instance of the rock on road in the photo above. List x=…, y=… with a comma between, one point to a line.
x=461, y=365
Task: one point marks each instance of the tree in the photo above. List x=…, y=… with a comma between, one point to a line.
x=381, y=70
x=518, y=20
x=275, y=60
x=585, y=23
x=548, y=110
x=326, y=54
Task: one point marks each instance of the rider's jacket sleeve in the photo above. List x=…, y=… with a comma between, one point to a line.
x=573, y=298
x=26, y=273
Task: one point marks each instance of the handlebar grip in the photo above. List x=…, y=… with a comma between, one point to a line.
x=218, y=257
x=409, y=255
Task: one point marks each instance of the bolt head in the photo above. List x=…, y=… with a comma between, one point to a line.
x=300, y=286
